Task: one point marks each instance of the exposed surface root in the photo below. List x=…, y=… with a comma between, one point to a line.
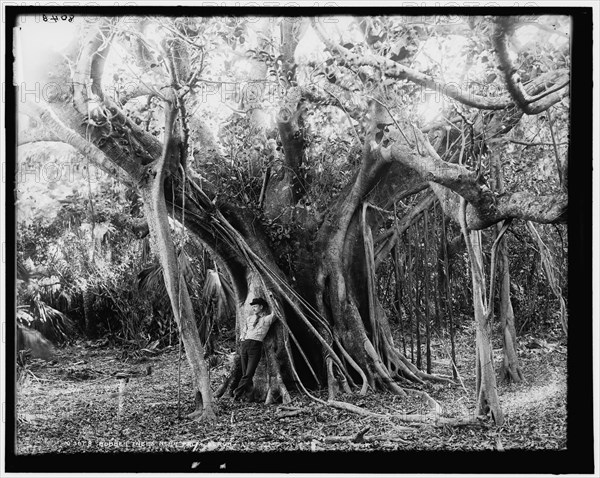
x=431, y=418
x=275, y=391
x=206, y=416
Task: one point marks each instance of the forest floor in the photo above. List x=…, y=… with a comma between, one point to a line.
x=72, y=406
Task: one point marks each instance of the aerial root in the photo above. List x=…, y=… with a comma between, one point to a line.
x=408, y=369
x=355, y=366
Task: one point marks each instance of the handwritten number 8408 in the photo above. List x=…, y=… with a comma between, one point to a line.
x=56, y=18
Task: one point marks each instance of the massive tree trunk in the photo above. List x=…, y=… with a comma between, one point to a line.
x=356, y=324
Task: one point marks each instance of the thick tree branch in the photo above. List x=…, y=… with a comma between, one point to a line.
x=36, y=136
x=105, y=124
x=87, y=77
x=131, y=92
x=396, y=70
x=450, y=181
x=286, y=187
x=63, y=133
x=432, y=168
x=529, y=104
x=549, y=209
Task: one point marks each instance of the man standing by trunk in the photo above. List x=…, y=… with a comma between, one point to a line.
x=254, y=330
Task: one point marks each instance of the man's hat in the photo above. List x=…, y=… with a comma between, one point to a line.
x=259, y=301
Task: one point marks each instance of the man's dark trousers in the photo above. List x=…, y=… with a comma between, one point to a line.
x=251, y=351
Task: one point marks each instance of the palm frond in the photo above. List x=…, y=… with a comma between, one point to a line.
x=218, y=288
x=51, y=322
x=151, y=281
x=23, y=316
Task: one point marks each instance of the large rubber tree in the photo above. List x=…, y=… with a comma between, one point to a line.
x=334, y=332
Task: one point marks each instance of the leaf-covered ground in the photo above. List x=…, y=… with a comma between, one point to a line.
x=73, y=406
